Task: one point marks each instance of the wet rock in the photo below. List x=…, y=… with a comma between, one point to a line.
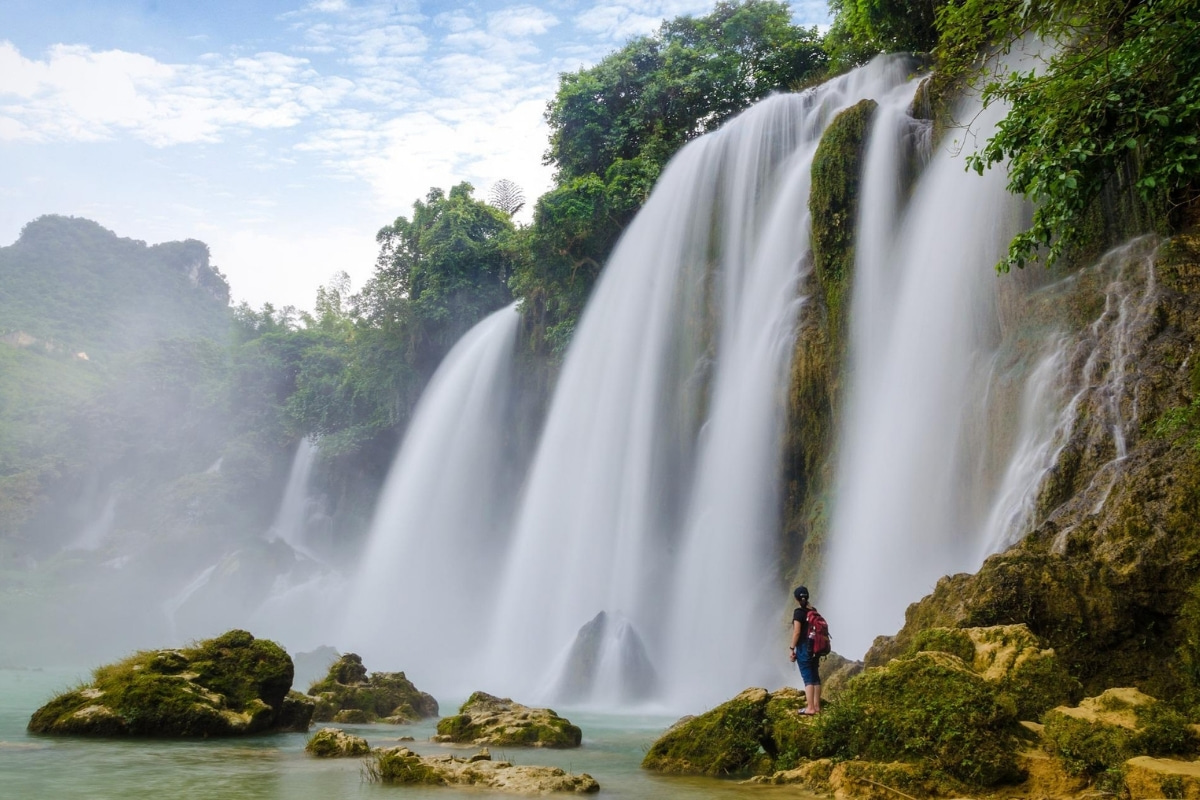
x=348, y=695
x=401, y=765
x=336, y=743
x=227, y=686
x=607, y=650
x=726, y=740
x=1147, y=777
x=499, y=722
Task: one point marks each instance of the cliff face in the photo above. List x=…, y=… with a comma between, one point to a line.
x=1109, y=575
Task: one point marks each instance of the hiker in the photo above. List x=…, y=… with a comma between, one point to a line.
x=801, y=652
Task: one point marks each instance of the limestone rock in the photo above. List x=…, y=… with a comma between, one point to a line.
x=336, y=743
x=1147, y=777
x=1101, y=733
x=499, y=722
x=227, y=686
x=348, y=695
x=1010, y=657
x=401, y=765
x=723, y=741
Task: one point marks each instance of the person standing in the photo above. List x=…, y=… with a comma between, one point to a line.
x=801, y=652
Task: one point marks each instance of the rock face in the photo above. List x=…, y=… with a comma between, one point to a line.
x=227, y=686
x=336, y=743
x=488, y=720
x=401, y=765
x=349, y=695
x=607, y=652
x=745, y=734
x=1108, y=576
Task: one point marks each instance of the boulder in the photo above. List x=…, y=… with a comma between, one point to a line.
x=336, y=743
x=401, y=765
x=1095, y=738
x=1147, y=777
x=348, y=695
x=1025, y=674
x=726, y=740
x=227, y=686
x=488, y=720
x=607, y=652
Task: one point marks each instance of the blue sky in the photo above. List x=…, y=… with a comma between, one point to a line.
x=285, y=133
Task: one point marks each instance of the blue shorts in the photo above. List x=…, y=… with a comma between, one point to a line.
x=809, y=667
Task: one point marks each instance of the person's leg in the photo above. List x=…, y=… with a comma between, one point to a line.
x=814, y=700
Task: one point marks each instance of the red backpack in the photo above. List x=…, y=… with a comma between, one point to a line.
x=818, y=634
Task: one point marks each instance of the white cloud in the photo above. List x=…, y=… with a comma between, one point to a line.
x=78, y=94
x=521, y=21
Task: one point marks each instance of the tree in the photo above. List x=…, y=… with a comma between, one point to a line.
x=506, y=196
x=439, y=272
x=1121, y=89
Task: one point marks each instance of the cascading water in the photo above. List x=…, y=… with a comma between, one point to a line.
x=653, y=494
x=926, y=325
x=427, y=572
x=292, y=516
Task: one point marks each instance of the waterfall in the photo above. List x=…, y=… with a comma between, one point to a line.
x=292, y=516
x=419, y=599
x=653, y=493
x=925, y=327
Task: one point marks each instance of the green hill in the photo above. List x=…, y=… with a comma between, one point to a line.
x=74, y=286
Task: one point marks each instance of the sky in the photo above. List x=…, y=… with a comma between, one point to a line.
x=285, y=133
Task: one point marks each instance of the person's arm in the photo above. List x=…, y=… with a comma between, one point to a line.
x=795, y=639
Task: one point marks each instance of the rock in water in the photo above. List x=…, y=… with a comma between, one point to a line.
x=336, y=743
x=401, y=765
x=499, y=722
x=349, y=695
x=227, y=686
x=607, y=659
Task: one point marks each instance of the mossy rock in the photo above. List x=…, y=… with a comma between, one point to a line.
x=227, y=686
x=1026, y=675
x=495, y=721
x=930, y=709
x=1101, y=733
x=348, y=695
x=336, y=743
x=403, y=766
x=726, y=740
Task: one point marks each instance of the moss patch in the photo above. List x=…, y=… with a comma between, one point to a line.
x=349, y=695
x=495, y=721
x=724, y=741
x=233, y=684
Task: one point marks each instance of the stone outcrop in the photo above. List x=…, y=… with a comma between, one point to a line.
x=746, y=734
x=499, y=722
x=607, y=642
x=349, y=695
x=227, y=686
x=1107, y=578
x=401, y=765
x=336, y=743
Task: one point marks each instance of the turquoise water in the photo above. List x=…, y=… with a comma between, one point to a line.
x=277, y=768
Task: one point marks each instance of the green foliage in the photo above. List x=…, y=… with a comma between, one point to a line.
x=334, y=743
x=443, y=270
x=390, y=695
x=946, y=640
x=863, y=29
x=230, y=685
x=657, y=92
x=76, y=286
x=1099, y=749
x=615, y=125
x=401, y=765
x=1121, y=88
x=724, y=741
x=929, y=708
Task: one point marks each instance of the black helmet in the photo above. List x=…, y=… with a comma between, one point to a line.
x=800, y=593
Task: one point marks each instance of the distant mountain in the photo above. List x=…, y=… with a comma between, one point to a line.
x=71, y=286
